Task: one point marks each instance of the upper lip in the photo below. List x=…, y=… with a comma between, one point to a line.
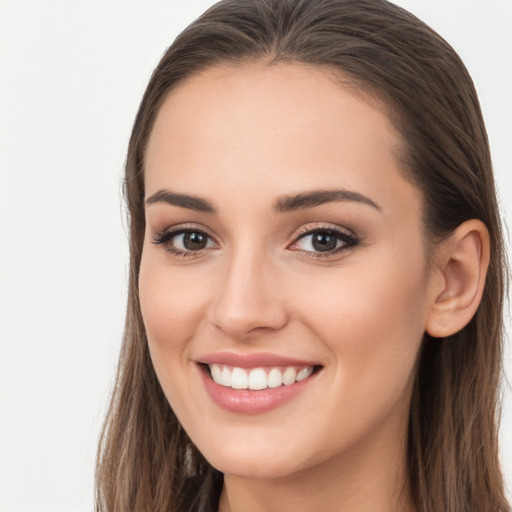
x=252, y=360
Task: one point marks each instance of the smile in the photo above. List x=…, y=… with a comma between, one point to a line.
x=255, y=383
x=258, y=379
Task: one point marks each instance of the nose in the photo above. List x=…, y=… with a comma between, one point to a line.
x=249, y=300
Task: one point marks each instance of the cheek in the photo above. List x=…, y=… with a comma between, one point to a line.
x=172, y=308
x=171, y=303
x=372, y=320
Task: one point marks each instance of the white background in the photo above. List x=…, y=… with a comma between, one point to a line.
x=71, y=76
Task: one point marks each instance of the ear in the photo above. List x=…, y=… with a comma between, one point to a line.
x=461, y=264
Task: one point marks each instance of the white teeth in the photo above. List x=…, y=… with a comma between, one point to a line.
x=289, y=376
x=216, y=373
x=257, y=378
x=304, y=373
x=239, y=379
x=226, y=377
x=275, y=378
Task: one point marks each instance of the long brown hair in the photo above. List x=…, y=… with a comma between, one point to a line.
x=145, y=460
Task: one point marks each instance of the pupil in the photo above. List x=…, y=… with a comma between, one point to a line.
x=324, y=242
x=194, y=241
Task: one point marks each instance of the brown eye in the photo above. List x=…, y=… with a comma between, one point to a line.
x=324, y=242
x=194, y=241
x=184, y=241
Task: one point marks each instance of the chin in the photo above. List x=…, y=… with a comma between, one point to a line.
x=258, y=457
x=253, y=467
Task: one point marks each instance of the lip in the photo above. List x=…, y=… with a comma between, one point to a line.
x=256, y=360
x=246, y=401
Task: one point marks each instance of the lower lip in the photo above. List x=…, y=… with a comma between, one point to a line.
x=246, y=401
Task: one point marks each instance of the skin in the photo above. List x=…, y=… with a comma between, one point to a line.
x=241, y=138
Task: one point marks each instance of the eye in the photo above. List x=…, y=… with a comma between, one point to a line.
x=184, y=241
x=324, y=240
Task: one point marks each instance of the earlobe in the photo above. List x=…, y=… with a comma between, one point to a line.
x=462, y=263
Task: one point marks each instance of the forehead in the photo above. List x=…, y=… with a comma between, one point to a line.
x=271, y=129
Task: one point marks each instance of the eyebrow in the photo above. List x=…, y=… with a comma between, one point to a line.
x=318, y=197
x=183, y=200
x=283, y=204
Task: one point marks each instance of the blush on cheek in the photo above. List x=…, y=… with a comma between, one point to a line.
x=172, y=306
x=164, y=321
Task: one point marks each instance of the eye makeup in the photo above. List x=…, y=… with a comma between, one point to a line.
x=323, y=240
x=317, y=241
x=185, y=240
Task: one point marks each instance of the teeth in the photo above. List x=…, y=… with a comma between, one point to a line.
x=304, y=373
x=289, y=376
x=239, y=379
x=275, y=378
x=257, y=378
x=226, y=377
x=216, y=373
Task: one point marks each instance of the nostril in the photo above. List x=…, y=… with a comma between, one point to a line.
x=249, y=322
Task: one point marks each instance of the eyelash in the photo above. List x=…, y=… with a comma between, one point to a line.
x=349, y=240
x=164, y=238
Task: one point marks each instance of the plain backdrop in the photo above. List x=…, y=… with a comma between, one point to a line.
x=71, y=76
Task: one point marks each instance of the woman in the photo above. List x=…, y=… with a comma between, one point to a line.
x=317, y=272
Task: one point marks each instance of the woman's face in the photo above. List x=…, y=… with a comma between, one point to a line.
x=283, y=253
